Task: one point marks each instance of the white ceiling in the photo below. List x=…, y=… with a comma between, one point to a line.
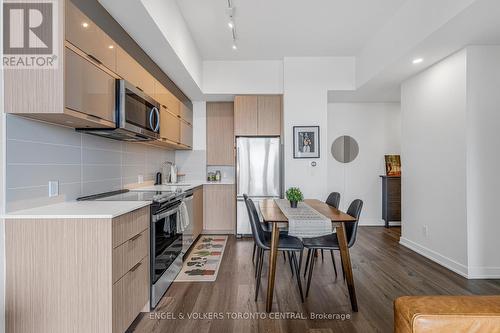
x=273, y=29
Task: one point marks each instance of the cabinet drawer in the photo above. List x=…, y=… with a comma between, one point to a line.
x=130, y=294
x=88, y=37
x=129, y=254
x=88, y=89
x=128, y=225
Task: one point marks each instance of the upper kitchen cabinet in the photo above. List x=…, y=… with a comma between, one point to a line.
x=257, y=115
x=269, y=115
x=245, y=115
x=167, y=99
x=186, y=113
x=88, y=37
x=169, y=127
x=220, y=133
x=129, y=69
x=62, y=94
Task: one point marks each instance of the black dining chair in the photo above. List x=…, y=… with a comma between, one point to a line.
x=288, y=244
x=330, y=242
x=334, y=201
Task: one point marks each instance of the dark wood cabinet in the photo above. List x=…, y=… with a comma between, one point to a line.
x=391, y=199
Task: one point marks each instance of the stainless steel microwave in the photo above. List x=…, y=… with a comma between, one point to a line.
x=137, y=115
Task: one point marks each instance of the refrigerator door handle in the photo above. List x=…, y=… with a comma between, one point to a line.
x=237, y=170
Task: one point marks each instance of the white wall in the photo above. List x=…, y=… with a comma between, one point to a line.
x=83, y=164
x=376, y=127
x=433, y=150
x=306, y=82
x=243, y=77
x=483, y=160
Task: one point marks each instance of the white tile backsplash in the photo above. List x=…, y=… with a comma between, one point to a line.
x=192, y=163
x=83, y=164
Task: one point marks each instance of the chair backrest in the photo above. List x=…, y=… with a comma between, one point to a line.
x=333, y=199
x=352, y=228
x=253, y=215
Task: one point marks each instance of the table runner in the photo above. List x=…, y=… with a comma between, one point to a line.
x=304, y=221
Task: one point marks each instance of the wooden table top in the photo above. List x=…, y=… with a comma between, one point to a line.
x=272, y=213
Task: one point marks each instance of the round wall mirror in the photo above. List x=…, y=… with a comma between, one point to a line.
x=345, y=149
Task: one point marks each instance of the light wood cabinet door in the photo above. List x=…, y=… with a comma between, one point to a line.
x=220, y=208
x=186, y=135
x=169, y=126
x=220, y=133
x=132, y=71
x=197, y=212
x=166, y=98
x=269, y=115
x=186, y=113
x=88, y=89
x=88, y=37
x=245, y=115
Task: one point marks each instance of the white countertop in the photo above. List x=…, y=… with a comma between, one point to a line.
x=79, y=209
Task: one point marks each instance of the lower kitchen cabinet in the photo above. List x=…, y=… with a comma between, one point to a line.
x=76, y=274
x=197, y=211
x=220, y=208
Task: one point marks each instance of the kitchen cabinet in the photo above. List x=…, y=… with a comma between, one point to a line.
x=167, y=99
x=257, y=115
x=186, y=136
x=132, y=71
x=220, y=208
x=89, y=89
x=245, y=115
x=92, y=272
x=220, y=133
x=169, y=126
x=197, y=212
x=88, y=37
x=186, y=113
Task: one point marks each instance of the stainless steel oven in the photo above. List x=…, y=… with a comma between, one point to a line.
x=166, y=247
x=137, y=115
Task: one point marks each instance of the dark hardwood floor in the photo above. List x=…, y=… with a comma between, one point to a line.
x=383, y=270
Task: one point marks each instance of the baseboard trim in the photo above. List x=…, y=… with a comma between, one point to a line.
x=218, y=232
x=374, y=222
x=481, y=272
x=446, y=262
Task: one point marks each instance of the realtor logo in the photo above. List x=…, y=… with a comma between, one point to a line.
x=29, y=34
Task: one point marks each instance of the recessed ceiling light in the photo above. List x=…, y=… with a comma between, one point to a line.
x=85, y=25
x=235, y=47
x=417, y=61
x=230, y=24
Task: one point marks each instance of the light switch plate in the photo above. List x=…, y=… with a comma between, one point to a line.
x=53, y=188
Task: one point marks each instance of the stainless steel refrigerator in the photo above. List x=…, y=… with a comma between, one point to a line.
x=258, y=174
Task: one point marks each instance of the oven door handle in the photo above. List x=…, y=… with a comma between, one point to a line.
x=160, y=216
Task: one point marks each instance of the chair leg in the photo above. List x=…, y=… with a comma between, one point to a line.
x=308, y=258
x=284, y=257
x=259, y=273
x=322, y=255
x=297, y=274
x=334, y=266
x=310, y=275
x=300, y=259
x=259, y=254
x=254, y=250
x=290, y=261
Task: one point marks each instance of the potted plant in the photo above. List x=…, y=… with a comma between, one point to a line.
x=294, y=195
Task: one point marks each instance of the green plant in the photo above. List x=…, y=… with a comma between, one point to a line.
x=294, y=194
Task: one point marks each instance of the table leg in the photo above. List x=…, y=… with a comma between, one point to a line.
x=272, y=266
x=346, y=262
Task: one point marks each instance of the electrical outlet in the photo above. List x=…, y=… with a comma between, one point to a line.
x=53, y=188
x=140, y=179
x=425, y=231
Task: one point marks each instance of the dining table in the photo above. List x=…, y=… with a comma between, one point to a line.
x=272, y=214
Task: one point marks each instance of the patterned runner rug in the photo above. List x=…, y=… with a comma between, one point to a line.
x=202, y=264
